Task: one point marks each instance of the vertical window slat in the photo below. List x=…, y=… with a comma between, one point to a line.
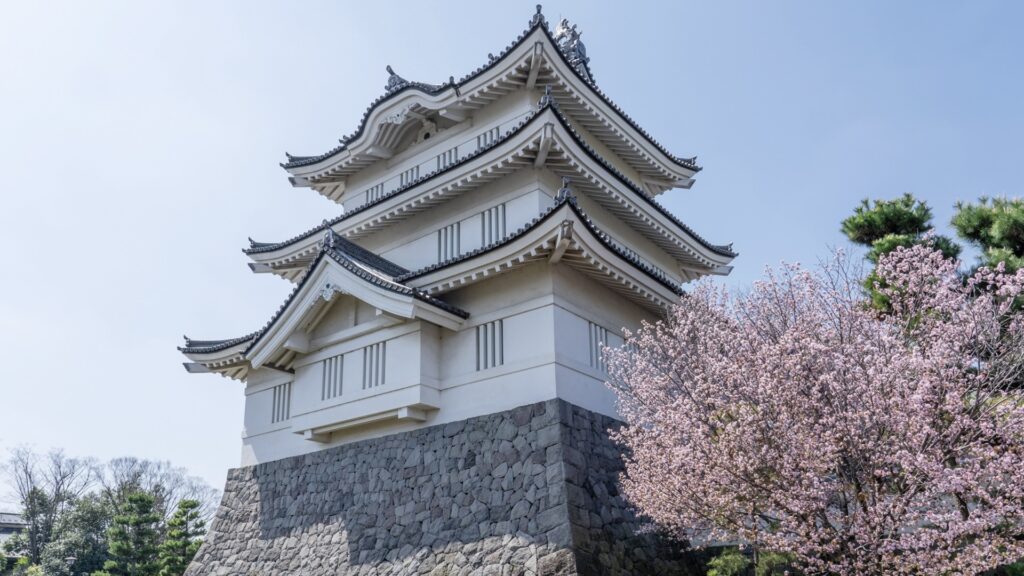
x=281, y=402
x=490, y=345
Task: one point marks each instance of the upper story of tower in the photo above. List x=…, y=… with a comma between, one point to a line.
x=416, y=128
x=422, y=152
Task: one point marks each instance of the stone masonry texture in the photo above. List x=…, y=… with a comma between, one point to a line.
x=530, y=491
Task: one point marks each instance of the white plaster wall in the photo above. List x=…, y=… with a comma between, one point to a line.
x=412, y=244
x=545, y=312
x=498, y=114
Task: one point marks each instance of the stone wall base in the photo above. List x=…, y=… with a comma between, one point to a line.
x=530, y=491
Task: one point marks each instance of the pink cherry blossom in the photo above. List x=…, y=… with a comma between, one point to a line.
x=797, y=419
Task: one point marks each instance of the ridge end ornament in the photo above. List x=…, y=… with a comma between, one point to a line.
x=329, y=237
x=547, y=99
x=394, y=80
x=538, y=17
x=567, y=38
x=565, y=193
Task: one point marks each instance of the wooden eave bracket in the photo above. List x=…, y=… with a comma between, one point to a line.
x=535, y=65
x=545, y=146
x=562, y=242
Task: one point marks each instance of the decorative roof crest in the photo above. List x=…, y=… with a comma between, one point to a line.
x=538, y=18
x=568, y=40
x=565, y=193
x=394, y=80
x=330, y=237
x=547, y=99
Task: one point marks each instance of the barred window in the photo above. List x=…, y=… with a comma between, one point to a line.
x=490, y=345
x=447, y=158
x=492, y=225
x=281, y=407
x=410, y=175
x=487, y=138
x=598, y=338
x=448, y=241
x=374, y=359
x=333, y=377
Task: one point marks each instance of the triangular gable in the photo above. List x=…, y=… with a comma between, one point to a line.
x=334, y=273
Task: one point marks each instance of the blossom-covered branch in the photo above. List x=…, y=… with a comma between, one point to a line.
x=799, y=419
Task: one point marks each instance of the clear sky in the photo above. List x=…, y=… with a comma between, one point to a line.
x=139, y=147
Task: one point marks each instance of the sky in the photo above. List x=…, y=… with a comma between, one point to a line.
x=140, y=142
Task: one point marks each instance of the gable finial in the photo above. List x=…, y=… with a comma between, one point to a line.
x=547, y=99
x=565, y=193
x=538, y=18
x=329, y=237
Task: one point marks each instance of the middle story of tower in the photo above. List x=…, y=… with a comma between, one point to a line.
x=493, y=235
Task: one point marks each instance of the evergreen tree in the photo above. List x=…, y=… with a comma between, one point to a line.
x=133, y=539
x=184, y=536
x=884, y=225
x=82, y=535
x=996, y=226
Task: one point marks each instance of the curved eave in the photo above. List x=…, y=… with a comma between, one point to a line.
x=331, y=273
x=580, y=245
x=505, y=155
x=515, y=149
x=512, y=68
x=628, y=201
x=224, y=357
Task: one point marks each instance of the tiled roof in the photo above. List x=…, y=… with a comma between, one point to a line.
x=366, y=265
x=717, y=248
x=10, y=518
x=260, y=247
x=433, y=89
x=209, y=346
x=605, y=240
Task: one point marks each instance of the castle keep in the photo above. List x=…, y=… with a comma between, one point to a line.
x=430, y=398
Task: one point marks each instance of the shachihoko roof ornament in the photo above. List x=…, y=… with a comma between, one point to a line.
x=394, y=81
x=568, y=39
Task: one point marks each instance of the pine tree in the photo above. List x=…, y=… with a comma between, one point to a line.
x=884, y=225
x=133, y=539
x=184, y=536
x=996, y=226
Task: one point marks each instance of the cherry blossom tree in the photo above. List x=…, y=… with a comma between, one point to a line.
x=797, y=419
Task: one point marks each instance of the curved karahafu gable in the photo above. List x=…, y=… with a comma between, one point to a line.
x=538, y=57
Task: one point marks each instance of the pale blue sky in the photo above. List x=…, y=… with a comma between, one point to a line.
x=139, y=145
